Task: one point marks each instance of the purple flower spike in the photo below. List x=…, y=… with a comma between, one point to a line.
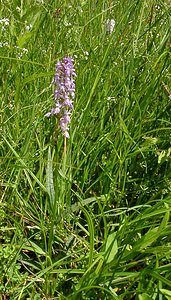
x=64, y=93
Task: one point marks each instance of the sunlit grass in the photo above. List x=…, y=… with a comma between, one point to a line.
x=91, y=222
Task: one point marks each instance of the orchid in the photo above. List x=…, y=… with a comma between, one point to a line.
x=64, y=93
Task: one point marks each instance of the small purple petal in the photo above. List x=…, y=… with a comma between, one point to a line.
x=48, y=114
x=66, y=134
x=68, y=102
x=56, y=110
x=67, y=118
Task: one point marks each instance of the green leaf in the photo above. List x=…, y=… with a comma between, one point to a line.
x=166, y=293
x=144, y=296
x=163, y=155
x=165, y=220
x=161, y=278
x=24, y=166
x=153, y=234
x=35, y=76
x=147, y=239
x=23, y=39
x=111, y=247
x=125, y=129
x=34, y=247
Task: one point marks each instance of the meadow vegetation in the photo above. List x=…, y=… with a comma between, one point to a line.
x=86, y=218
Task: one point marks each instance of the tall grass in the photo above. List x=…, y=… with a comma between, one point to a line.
x=92, y=222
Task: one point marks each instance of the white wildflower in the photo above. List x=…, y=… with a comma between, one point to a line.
x=28, y=27
x=4, y=21
x=110, y=25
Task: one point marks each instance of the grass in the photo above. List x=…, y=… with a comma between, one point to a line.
x=92, y=222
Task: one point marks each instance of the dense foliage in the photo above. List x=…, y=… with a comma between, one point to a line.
x=87, y=217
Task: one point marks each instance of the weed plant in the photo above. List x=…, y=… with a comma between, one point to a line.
x=88, y=218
